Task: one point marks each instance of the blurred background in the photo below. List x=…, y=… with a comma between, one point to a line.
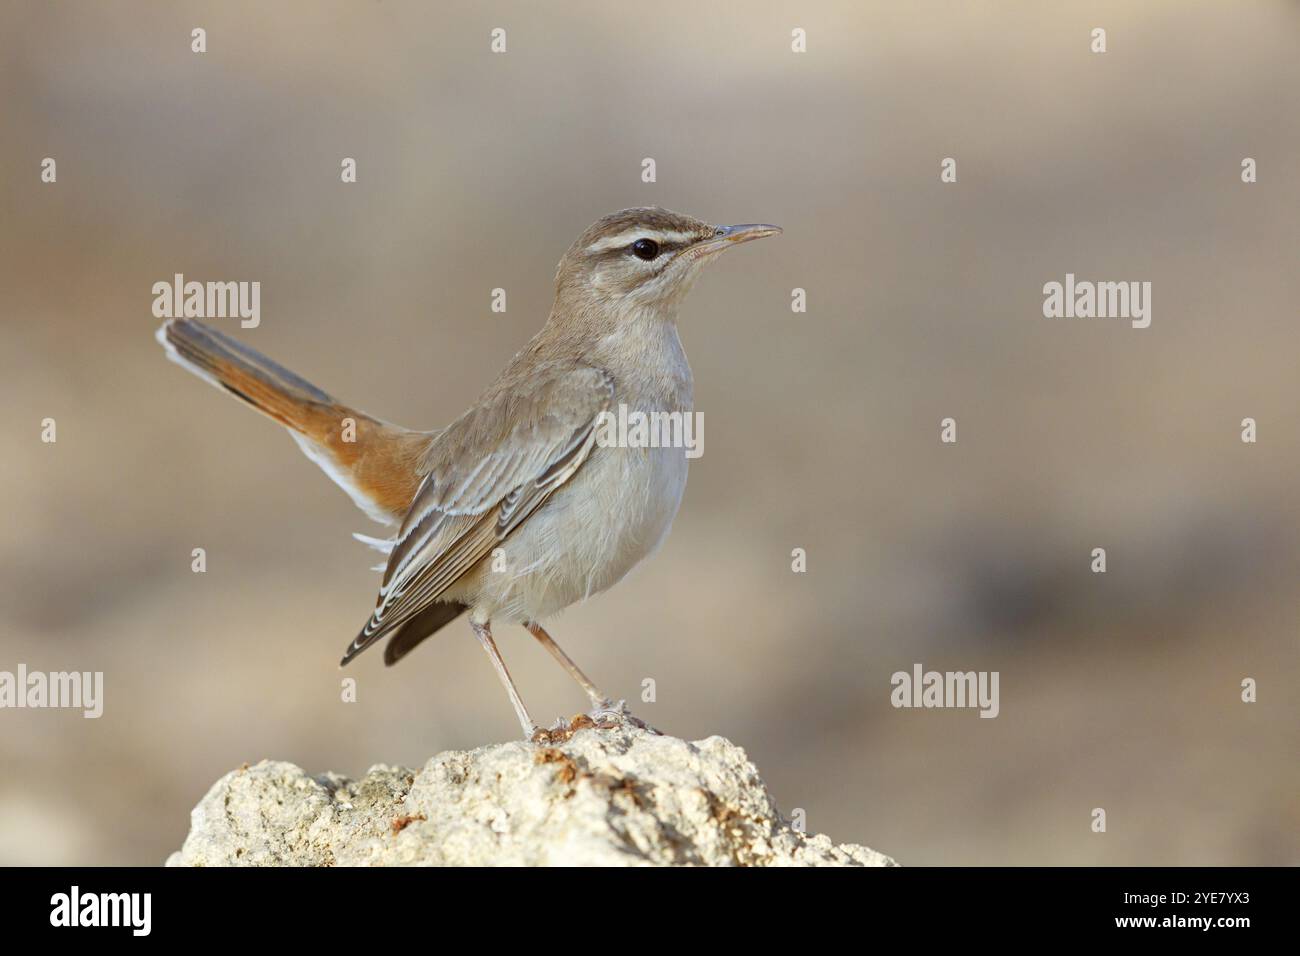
x=476, y=171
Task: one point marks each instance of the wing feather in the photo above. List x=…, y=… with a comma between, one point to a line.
x=486, y=474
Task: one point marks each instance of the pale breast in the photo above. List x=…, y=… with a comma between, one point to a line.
x=613, y=513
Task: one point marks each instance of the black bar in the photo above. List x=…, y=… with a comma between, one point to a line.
x=338, y=905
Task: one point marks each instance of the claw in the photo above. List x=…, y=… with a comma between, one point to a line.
x=608, y=714
x=607, y=709
x=559, y=731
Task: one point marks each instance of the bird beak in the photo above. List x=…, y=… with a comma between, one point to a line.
x=725, y=237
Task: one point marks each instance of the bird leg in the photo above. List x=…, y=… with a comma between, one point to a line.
x=603, y=708
x=484, y=634
x=598, y=700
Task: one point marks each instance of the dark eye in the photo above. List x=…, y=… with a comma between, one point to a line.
x=645, y=249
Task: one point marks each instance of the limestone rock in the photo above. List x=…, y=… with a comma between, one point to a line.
x=615, y=795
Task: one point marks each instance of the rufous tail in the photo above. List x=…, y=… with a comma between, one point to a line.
x=376, y=463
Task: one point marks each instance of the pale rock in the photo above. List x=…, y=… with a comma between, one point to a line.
x=607, y=796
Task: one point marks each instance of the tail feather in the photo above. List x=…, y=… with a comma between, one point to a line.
x=377, y=464
x=243, y=372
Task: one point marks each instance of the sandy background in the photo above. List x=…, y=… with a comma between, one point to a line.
x=476, y=171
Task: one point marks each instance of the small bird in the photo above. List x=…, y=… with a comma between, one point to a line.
x=514, y=511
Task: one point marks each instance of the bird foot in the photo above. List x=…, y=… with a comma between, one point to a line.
x=558, y=732
x=608, y=714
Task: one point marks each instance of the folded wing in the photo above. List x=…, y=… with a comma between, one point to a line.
x=484, y=475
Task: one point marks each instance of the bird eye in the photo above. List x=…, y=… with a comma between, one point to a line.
x=645, y=249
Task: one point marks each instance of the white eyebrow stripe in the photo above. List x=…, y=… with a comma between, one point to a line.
x=661, y=236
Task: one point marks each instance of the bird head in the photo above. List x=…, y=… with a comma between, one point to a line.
x=645, y=257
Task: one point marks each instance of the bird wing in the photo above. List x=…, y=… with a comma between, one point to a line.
x=490, y=470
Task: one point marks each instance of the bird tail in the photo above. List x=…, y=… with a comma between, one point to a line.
x=377, y=464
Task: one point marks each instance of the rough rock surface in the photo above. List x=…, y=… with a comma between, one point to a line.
x=596, y=796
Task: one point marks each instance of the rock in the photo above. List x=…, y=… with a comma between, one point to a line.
x=614, y=795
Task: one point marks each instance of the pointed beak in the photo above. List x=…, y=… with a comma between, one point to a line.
x=724, y=237
x=747, y=231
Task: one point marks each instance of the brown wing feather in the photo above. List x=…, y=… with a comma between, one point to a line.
x=486, y=474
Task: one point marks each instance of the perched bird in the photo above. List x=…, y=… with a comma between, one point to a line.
x=514, y=511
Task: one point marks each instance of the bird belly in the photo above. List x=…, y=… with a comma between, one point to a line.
x=616, y=511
